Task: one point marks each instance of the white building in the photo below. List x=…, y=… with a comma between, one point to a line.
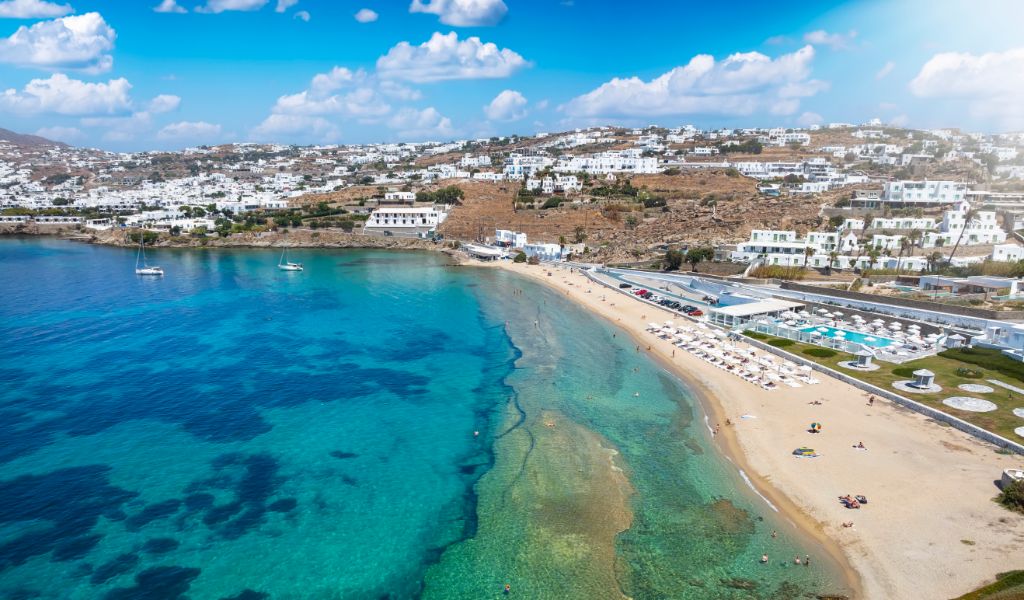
x=400, y=196
x=403, y=217
x=509, y=239
x=924, y=192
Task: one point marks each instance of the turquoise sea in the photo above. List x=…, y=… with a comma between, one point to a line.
x=381, y=425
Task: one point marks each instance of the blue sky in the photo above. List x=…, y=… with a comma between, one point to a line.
x=122, y=75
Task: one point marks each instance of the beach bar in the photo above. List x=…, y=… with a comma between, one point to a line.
x=739, y=314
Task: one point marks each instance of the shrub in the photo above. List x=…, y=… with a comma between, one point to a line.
x=551, y=203
x=533, y=260
x=820, y=352
x=781, y=343
x=1012, y=496
x=520, y=258
x=969, y=373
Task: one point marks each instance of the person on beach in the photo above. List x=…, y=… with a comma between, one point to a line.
x=807, y=560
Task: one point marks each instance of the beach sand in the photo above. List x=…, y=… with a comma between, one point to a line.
x=931, y=528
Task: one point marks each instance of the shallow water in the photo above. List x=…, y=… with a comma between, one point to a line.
x=234, y=428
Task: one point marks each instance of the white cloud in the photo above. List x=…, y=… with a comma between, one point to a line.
x=899, y=121
x=340, y=92
x=61, y=134
x=809, y=118
x=64, y=96
x=415, y=124
x=542, y=105
x=393, y=89
x=219, y=6
x=279, y=127
x=169, y=6
x=509, y=105
x=33, y=9
x=741, y=84
x=303, y=14
x=365, y=15
x=283, y=5
x=163, y=103
x=192, y=131
x=836, y=41
x=991, y=84
x=121, y=128
x=81, y=43
x=463, y=13
x=885, y=70
x=444, y=57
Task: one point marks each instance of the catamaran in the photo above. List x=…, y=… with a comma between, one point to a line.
x=286, y=265
x=141, y=256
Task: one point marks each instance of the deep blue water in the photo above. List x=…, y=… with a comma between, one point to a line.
x=235, y=431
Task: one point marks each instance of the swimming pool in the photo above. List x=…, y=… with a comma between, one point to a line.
x=851, y=336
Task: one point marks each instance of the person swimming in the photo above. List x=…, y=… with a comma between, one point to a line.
x=508, y=588
x=764, y=558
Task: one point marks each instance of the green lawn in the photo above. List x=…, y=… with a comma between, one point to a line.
x=1009, y=586
x=990, y=364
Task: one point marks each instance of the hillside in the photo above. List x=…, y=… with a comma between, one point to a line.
x=26, y=140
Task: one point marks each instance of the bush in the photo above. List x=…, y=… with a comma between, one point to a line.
x=987, y=358
x=1012, y=496
x=820, y=352
x=969, y=373
x=781, y=343
x=520, y=258
x=551, y=203
x=533, y=260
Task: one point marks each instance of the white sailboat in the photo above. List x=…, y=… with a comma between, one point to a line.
x=145, y=269
x=286, y=265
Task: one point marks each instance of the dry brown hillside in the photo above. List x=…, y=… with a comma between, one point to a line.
x=489, y=206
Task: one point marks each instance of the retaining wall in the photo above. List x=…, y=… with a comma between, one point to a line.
x=966, y=311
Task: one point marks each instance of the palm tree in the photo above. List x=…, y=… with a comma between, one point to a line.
x=873, y=255
x=808, y=252
x=915, y=239
x=968, y=216
x=832, y=257
x=933, y=260
x=904, y=245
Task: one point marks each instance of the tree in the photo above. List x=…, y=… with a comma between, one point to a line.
x=808, y=252
x=873, y=255
x=904, y=245
x=579, y=234
x=1012, y=496
x=968, y=216
x=915, y=239
x=520, y=258
x=933, y=260
x=673, y=260
x=695, y=256
x=832, y=257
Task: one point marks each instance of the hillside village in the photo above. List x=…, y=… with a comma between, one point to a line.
x=832, y=197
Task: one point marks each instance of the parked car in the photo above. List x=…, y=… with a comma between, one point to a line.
x=624, y=286
x=689, y=308
x=697, y=313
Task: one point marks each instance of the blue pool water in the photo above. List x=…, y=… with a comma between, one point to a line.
x=235, y=431
x=852, y=336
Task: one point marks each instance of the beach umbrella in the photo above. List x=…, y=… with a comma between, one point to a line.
x=653, y=326
x=822, y=310
x=838, y=314
x=839, y=333
x=805, y=368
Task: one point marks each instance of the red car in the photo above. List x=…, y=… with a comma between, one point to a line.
x=697, y=313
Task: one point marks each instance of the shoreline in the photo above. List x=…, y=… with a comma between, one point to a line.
x=937, y=532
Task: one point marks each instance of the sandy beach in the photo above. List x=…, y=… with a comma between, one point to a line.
x=931, y=528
